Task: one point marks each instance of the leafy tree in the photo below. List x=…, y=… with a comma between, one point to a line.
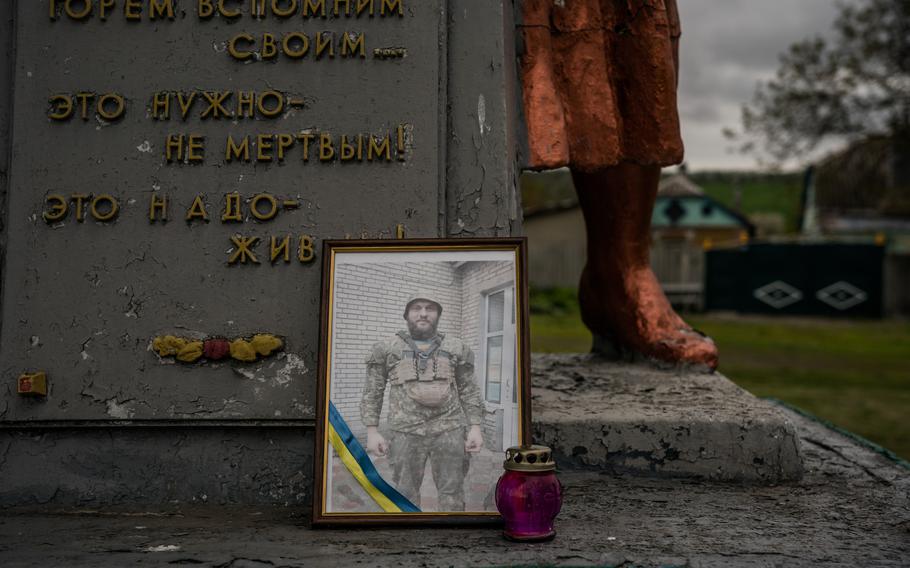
x=854, y=86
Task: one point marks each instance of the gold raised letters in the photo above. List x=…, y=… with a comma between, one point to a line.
x=277, y=249
x=236, y=50
x=232, y=211
x=173, y=148
x=120, y=106
x=272, y=203
x=269, y=47
x=236, y=151
x=323, y=43
x=271, y=147
x=157, y=208
x=263, y=148
x=296, y=45
x=79, y=199
x=347, y=151
x=352, y=44
x=312, y=8
x=285, y=141
x=326, y=149
x=104, y=7
x=185, y=103
x=276, y=108
x=62, y=106
x=161, y=105
x=216, y=108
x=245, y=101
x=243, y=252
x=184, y=148
x=58, y=208
x=307, y=252
x=377, y=148
x=229, y=9
x=161, y=9
x=112, y=207
x=197, y=210
x=103, y=207
x=205, y=9
x=132, y=9
x=299, y=39
x=306, y=138
x=83, y=99
x=218, y=104
x=195, y=148
x=76, y=10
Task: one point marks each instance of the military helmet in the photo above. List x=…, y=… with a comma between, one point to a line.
x=422, y=295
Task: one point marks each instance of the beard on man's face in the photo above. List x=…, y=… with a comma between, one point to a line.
x=422, y=327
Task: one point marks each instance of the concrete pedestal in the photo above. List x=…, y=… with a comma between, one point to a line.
x=852, y=508
x=636, y=419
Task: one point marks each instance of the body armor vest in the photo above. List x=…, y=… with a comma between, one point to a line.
x=427, y=377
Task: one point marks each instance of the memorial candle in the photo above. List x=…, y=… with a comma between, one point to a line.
x=528, y=495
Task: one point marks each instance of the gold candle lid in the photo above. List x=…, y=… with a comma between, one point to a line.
x=529, y=458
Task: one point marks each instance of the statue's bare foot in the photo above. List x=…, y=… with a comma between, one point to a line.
x=630, y=309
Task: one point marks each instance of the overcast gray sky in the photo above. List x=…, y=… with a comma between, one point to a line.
x=727, y=47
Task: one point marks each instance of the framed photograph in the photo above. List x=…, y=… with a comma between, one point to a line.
x=423, y=379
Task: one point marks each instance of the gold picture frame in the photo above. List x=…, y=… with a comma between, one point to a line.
x=423, y=379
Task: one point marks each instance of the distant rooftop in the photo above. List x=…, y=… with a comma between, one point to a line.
x=678, y=185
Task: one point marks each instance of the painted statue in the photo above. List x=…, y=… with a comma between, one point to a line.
x=599, y=91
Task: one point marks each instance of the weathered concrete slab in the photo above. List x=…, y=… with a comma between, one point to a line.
x=84, y=294
x=634, y=418
x=852, y=508
x=211, y=463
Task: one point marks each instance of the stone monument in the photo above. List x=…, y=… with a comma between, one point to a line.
x=169, y=170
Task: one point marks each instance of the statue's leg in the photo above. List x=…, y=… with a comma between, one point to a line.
x=621, y=300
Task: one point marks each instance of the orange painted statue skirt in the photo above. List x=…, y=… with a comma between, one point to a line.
x=599, y=82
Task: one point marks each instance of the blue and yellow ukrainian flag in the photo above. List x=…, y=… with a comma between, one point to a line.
x=357, y=461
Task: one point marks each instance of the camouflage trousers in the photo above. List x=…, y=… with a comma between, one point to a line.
x=408, y=455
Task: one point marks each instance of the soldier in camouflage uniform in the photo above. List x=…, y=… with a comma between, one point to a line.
x=435, y=408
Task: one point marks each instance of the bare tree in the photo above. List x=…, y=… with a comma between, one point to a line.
x=855, y=85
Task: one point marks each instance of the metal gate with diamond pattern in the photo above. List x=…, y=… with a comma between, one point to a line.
x=796, y=279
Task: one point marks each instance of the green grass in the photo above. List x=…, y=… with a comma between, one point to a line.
x=759, y=194
x=777, y=193
x=856, y=374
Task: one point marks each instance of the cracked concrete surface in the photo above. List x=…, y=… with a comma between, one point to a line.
x=635, y=418
x=851, y=508
x=102, y=467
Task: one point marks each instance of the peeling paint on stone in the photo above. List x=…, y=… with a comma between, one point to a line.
x=294, y=365
x=163, y=548
x=481, y=113
x=119, y=411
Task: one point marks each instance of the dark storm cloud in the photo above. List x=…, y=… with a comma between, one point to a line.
x=727, y=47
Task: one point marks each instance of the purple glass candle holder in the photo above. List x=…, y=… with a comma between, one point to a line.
x=528, y=495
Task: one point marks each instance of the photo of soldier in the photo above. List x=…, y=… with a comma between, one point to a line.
x=423, y=375
x=435, y=407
